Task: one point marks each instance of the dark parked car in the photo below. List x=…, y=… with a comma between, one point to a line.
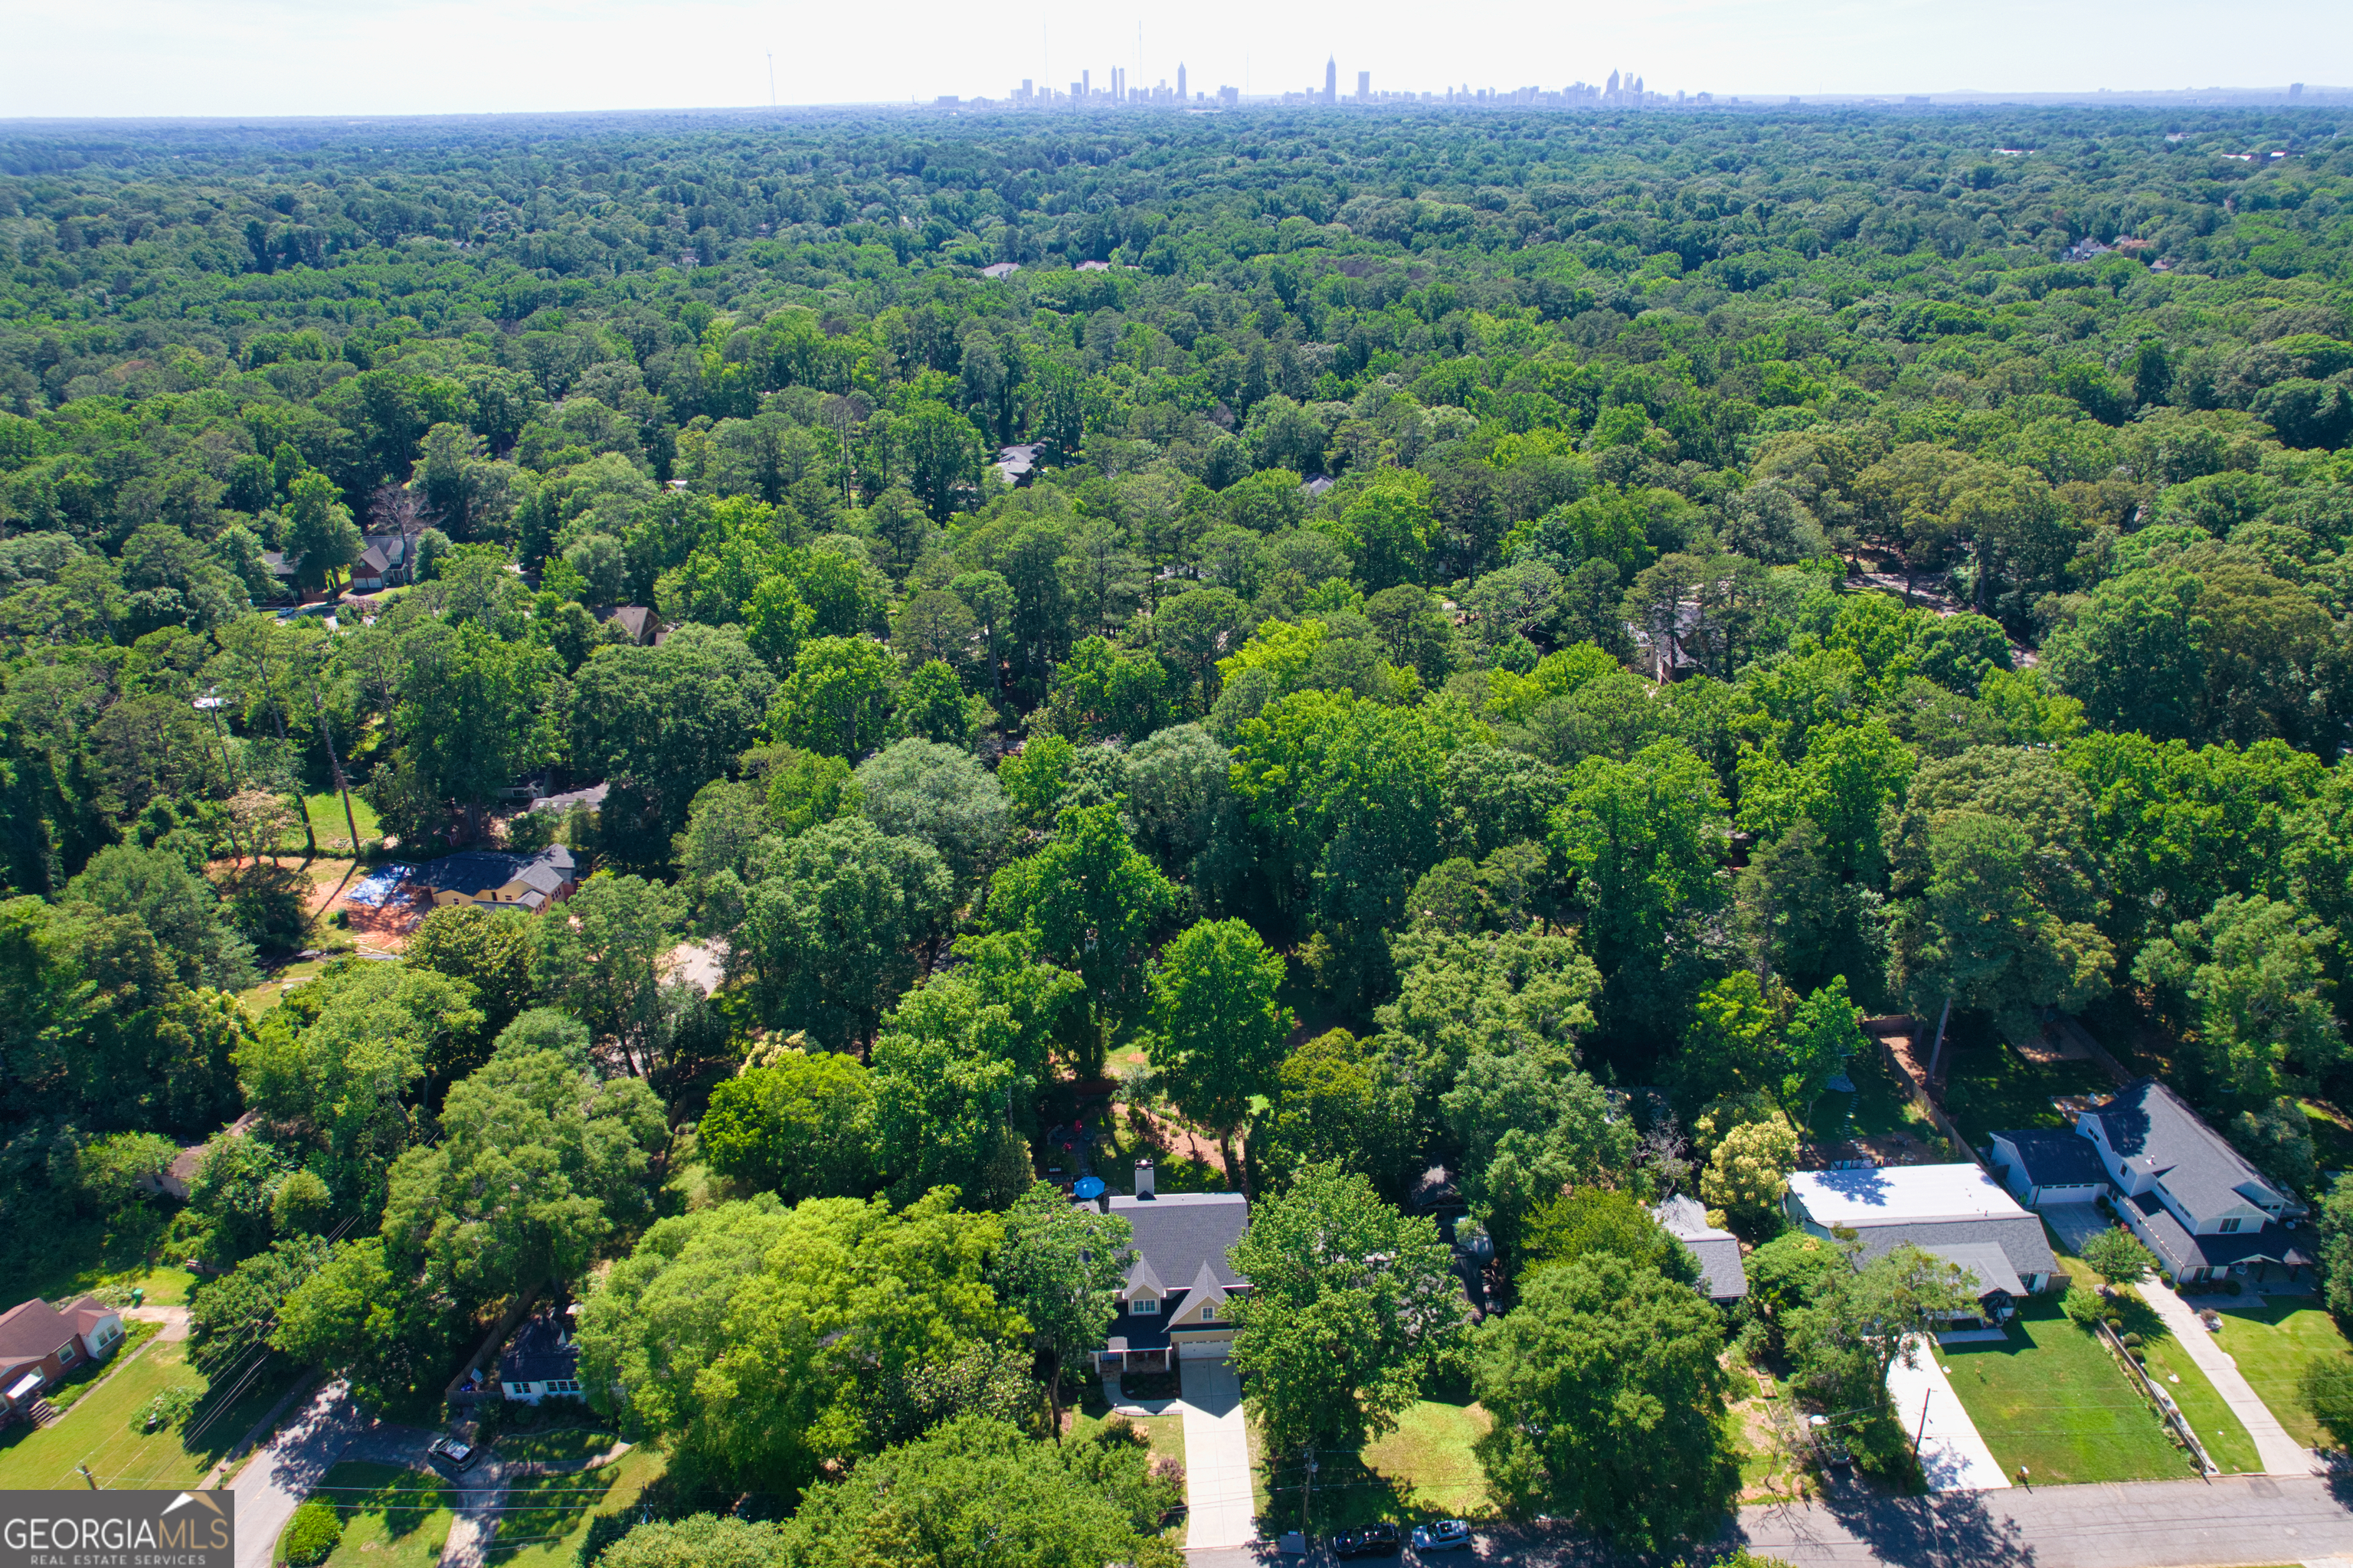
x=1373, y=1541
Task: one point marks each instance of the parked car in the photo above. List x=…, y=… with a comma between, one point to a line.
x=452, y=1455
x=1373, y=1541
x=1441, y=1535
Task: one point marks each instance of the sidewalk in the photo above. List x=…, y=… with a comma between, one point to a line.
x=1953, y=1458
x=2281, y=1454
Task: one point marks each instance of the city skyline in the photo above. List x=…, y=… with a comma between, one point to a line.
x=270, y=58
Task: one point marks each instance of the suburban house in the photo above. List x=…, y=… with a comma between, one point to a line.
x=39, y=1345
x=540, y=1360
x=635, y=622
x=487, y=876
x=383, y=563
x=2195, y=1201
x=2046, y=1166
x=1176, y=1303
x=286, y=570
x=1957, y=1212
x=1721, y=1277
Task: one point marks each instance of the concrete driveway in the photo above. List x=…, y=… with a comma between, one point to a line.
x=1217, y=1508
x=2281, y=1454
x=1953, y=1456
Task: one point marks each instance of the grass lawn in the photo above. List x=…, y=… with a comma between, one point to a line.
x=393, y=1518
x=2220, y=1430
x=1878, y=1104
x=2332, y=1136
x=260, y=999
x=99, y=1431
x=326, y=812
x=1989, y=1086
x=549, y=1517
x=1425, y=1469
x=2274, y=1339
x=1167, y=1432
x=2052, y=1399
x=2222, y=1433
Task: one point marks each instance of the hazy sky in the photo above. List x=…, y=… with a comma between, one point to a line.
x=411, y=57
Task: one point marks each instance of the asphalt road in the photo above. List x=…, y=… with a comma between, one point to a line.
x=2233, y=1522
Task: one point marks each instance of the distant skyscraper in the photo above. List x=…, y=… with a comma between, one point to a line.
x=1364, y=87
x=1180, y=81
x=1612, y=88
x=1332, y=80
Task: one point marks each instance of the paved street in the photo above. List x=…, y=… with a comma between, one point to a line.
x=2240, y=1520
x=275, y=1481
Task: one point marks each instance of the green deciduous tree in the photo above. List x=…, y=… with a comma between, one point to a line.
x=539, y=1163
x=802, y=1125
x=1351, y=1306
x=1090, y=903
x=1219, y=1027
x=830, y=933
x=977, y=1492
x=1061, y=1269
x=837, y=699
x=1338, y=1099
x=1609, y=1403
x=604, y=962
x=761, y=1341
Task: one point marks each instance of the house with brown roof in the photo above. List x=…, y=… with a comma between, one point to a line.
x=39, y=1345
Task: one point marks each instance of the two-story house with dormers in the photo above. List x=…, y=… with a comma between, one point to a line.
x=2192, y=1198
x=1176, y=1302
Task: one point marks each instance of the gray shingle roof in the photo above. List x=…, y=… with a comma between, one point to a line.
x=537, y=1352
x=2178, y=1249
x=1721, y=1276
x=1178, y=1231
x=2020, y=1238
x=477, y=871
x=2152, y=1131
x=1987, y=1267
x=2056, y=1159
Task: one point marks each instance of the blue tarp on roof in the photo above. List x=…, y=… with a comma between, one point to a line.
x=380, y=885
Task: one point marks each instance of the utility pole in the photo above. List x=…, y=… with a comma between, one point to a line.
x=1306, y=1492
x=772, y=78
x=1922, y=1434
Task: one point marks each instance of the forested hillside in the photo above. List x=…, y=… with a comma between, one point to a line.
x=1492, y=613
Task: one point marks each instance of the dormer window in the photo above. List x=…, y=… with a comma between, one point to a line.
x=1145, y=1306
x=2230, y=1225
x=1208, y=1313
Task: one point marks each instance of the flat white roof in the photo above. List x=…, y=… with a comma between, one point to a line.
x=1898, y=1194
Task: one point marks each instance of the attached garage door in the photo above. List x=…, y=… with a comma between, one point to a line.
x=1203, y=1350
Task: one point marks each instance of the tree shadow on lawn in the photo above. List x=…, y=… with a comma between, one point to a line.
x=406, y=1500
